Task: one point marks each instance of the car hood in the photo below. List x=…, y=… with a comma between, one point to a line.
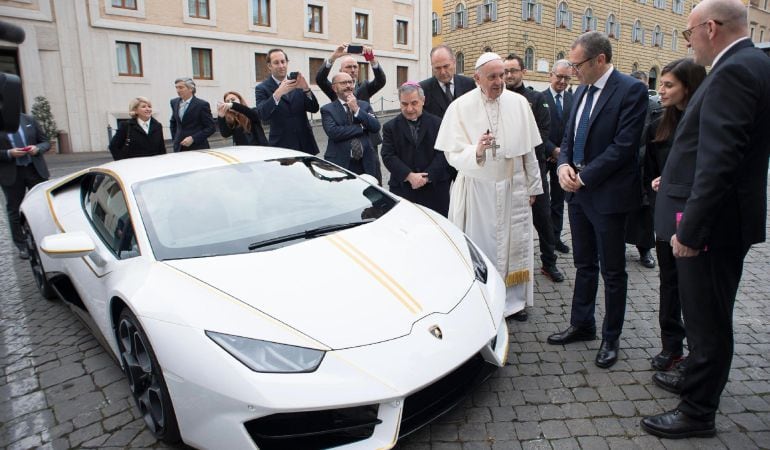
x=356, y=287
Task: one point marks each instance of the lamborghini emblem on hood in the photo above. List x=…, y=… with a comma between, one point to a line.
x=436, y=332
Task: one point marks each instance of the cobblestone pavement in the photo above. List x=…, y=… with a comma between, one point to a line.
x=60, y=389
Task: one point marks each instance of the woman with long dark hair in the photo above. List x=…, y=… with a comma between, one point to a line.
x=678, y=83
x=236, y=119
x=141, y=135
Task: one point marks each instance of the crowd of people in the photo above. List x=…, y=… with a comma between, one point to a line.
x=687, y=178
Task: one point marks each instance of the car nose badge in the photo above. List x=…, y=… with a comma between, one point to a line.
x=436, y=332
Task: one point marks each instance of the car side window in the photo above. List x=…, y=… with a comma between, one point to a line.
x=105, y=206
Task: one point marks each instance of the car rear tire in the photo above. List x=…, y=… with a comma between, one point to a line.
x=38, y=272
x=145, y=378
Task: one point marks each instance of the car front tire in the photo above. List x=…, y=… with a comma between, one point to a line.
x=145, y=378
x=38, y=272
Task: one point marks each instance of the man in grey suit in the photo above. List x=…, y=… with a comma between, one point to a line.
x=21, y=167
x=191, y=120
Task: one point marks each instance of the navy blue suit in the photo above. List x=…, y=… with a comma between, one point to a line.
x=716, y=175
x=597, y=211
x=555, y=135
x=289, y=126
x=340, y=132
x=196, y=122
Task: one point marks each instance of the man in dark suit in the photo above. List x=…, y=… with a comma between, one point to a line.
x=599, y=171
x=712, y=204
x=559, y=105
x=348, y=122
x=284, y=102
x=21, y=167
x=348, y=64
x=191, y=120
x=541, y=208
x=444, y=86
x=418, y=172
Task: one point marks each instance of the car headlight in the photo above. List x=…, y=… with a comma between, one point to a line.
x=479, y=266
x=269, y=357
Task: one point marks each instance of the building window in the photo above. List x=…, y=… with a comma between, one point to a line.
x=402, y=30
x=560, y=55
x=589, y=21
x=674, y=40
x=362, y=26
x=315, y=19
x=460, y=63
x=436, y=24
x=315, y=64
x=637, y=35
x=657, y=37
x=261, y=13
x=129, y=59
x=402, y=75
x=460, y=17
x=531, y=11
x=529, y=58
x=201, y=62
x=260, y=66
x=487, y=11
x=653, y=79
x=660, y=4
x=751, y=35
x=198, y=9
x=761, y=35
x=124, y=4
x=563, y=17
x=677, y=6
x=363, y=72
x=612, y=27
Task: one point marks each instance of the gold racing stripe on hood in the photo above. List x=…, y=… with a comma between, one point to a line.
x=223, y=156
x=382, y=277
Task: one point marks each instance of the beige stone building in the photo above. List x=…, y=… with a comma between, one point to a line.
x=90, y=57
x=759, y=20
x=645, y=34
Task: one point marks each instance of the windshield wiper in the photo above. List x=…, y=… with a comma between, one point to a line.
x=308, y=234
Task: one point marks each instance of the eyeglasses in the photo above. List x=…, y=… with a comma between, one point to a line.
x=512, y=71
x=562, y=77
x=688, y=32
x=576, y=67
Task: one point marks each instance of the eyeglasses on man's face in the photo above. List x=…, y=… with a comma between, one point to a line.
x=345, y=82
x=576, y=67
x=512, y=71
x=686, y=34
x=565, y=78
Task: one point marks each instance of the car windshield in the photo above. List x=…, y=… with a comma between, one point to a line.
x=253, y=206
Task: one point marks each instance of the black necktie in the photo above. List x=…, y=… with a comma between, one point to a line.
x=559, y=110
x=448, y=91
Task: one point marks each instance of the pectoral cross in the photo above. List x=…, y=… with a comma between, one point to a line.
x=493, y=145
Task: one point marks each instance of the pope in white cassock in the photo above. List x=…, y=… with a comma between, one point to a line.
x=489, y=135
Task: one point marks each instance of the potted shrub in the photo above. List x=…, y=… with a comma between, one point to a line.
x=41, y=110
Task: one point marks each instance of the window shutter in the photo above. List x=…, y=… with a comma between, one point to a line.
x=594, y=24
x=525, y=10
x=644, y=41
x=617, y=30
x=494, y=10
x=539, y=13
x=584, y=24
x=569, y=20
x=479, y=13
x=453, y=21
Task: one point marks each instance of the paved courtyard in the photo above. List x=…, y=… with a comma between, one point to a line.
x=60, y=389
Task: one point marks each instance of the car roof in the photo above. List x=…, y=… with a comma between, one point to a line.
x=133, y=170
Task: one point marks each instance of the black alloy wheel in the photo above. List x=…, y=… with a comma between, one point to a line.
x=42, y=283
x=145, y=378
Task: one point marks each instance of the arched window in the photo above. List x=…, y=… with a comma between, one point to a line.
x=678, y=6
x=653, y=77
x=637, y=35
x=657, y=37
x=487, y=49
x=559, y=56
x=529, y=58
x=436, y=22
x=634, y=67
x=674, y=39
x=589, y=21
x=612, y=27
x=460, y=62
x=563, y=16
x=460, y=17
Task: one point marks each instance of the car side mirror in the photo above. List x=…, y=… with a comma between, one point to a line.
x=67, y=245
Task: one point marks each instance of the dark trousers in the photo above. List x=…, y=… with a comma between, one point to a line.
x=597, y=241
x=433, y=195
x=557, y=202
x=26, y=177
x=541, y=219
x=670, y=312
x=707, y=287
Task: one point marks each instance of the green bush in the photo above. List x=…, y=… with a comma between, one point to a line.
x=41, y=110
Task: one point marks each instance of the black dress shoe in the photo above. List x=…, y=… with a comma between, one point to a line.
x=669, y=381
x=572, y=334
x=646, y=259
x=666, y=360
x=520, y=316
x=608, y=353
x=561, y=247
x=677, y=425
x=23, y=253
x=552, y=273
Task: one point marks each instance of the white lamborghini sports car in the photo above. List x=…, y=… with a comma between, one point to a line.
x=263, y=298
